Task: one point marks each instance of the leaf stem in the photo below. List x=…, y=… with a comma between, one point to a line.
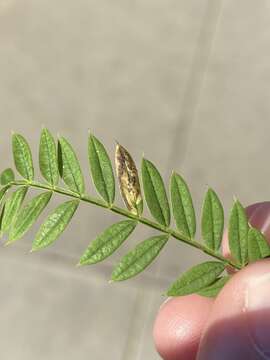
x=120, y=211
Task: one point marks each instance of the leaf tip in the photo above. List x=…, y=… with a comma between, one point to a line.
x=91, y=135
x=235, y=199
x=59, y=137
x=117, y=146
x=82, y=261
x=34, y=248
x=144, y=160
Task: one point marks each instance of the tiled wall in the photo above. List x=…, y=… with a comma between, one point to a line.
x=184, y=82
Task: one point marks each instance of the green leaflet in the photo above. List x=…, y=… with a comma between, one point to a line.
x=22, y=157
x=7, y=176
x=48, y=157
x=212, y=220
x=2, y=210
x=101, y=169
x=107, y=242
x=182, y=206
x=196, y=278
x=71, y=170
x=138, y=259
x=59, y=159
x=3, y=192
x=155, y=193
x=55, y=224
x=238, y=233
x=27, y=216
x=258, y=247
x=12, y=206
x=214, y=289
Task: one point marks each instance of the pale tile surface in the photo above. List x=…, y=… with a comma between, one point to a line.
x=231, y=127
x=120, y=69
x=192, y=77
x=50, y=311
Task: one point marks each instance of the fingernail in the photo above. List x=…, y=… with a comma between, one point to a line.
x=257, y=310
x=259, y=217
x=164, y=302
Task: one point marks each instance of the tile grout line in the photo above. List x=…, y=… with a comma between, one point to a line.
x=190, y=102
x=205, y=43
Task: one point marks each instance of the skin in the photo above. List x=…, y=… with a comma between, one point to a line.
x=235, y=325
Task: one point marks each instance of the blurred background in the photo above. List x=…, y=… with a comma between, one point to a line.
x=184, y=82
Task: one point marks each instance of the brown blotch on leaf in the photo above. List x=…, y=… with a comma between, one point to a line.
x=128, y=179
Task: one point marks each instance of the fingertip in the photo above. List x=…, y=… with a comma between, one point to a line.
x=239, y=324
x=179, y=325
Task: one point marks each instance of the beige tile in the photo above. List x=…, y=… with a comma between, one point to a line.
x=229, y=145
x=125, y=70
x=118, y=70
x=51, y=311
x=228, y=142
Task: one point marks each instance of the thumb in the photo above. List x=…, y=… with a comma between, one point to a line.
x=239, y=325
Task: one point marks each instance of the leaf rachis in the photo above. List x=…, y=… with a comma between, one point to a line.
x=246, y=243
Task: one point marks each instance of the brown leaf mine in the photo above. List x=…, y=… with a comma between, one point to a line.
x=128, y=179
